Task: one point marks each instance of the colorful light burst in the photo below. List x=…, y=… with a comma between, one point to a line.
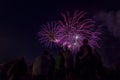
x=48, y=35
x=70, y=32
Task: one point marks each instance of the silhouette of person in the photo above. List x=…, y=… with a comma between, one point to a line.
x=1, y=65
x=69, y=64
x=29, y=73
x=86, y=62
x=60, y=66
x=41, y=67
x=5, y=69
x=78, y=66
x=98, y=64
x=18, y=69
x=51, y=67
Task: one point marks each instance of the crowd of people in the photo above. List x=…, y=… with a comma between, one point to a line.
x=86, y=65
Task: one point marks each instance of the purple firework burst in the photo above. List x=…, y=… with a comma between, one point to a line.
x=49, y=33
x=70, y=32
x=75, y=28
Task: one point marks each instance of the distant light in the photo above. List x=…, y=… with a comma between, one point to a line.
x=76, y=37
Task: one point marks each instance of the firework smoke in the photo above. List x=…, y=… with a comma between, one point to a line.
x=111, y=20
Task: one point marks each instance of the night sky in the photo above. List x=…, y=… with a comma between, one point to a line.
x=20, y=21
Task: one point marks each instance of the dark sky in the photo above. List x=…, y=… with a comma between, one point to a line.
x=20, y=21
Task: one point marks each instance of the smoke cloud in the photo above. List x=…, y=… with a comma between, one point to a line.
x=110, y=19
x=109, y=23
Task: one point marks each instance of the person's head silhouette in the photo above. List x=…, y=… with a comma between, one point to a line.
x=85, y=41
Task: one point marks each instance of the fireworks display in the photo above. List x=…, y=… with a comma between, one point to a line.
x=70, y=32
x=49, y=34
